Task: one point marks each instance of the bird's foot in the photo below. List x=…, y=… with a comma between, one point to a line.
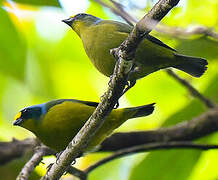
x=116, y=105
x=57, y=156
x=130, y=84
x=110, y=80
x=49, y=166
x=73, y=162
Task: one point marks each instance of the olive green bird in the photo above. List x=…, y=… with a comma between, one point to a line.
x=99, y=36
x=56, y=122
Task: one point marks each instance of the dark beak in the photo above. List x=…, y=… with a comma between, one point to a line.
x=18, y=121
x=68, y=21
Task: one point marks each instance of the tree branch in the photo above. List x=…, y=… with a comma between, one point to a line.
x=200, y=126
x=149, y=147
x=15, y=149
x=176, y=32
x=40, y=151
x=128, y=48
x=179, y=32
x=118, y=10
x=124, y=55
x=81, y=140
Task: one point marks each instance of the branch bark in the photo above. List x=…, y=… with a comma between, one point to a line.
x=200, y=126
x=15, y=149
x=40, y=151
x=150, y=147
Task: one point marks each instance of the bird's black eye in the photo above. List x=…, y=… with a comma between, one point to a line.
x=26, y=113
x=80, y=16
x=33, y=112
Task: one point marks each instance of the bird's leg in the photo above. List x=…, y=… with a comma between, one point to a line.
x=131, y=83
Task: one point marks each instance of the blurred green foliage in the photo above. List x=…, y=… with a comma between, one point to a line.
x=12, y=48
x=41, y=59
x=40, y=2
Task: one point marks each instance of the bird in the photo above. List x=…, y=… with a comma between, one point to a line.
x=100, y=36
x=56, y=122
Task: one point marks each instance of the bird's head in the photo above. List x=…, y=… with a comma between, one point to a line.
x=30, y=117
x=81, y=21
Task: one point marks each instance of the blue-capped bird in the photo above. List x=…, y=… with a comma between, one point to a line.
x=56, y=122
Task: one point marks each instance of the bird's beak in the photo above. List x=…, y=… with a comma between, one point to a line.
x=69, y=21
x=18, y=121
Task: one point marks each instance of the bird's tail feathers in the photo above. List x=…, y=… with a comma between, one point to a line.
x=192, y=65
x=141, y=111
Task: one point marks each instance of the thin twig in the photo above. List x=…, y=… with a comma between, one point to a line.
x=33, y=162
x=192, y=90
x=118, y=11
x=176, y=32
x=149, y=147
x=179, y=32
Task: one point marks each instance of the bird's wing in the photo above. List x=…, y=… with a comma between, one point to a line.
x=125, y=28
x=59, y=101
x=89, y=103
x=157, y=41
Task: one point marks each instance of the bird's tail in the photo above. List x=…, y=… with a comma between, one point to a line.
x=192, y=65
x=140, y=111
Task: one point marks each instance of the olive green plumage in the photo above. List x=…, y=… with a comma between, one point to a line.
x=56, y=122
x=99, y=36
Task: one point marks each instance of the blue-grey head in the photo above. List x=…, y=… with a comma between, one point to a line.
x=30, y=116
x=81, y=21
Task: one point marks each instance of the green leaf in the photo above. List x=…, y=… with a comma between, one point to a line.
x=12, y=48
x=40, y=2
